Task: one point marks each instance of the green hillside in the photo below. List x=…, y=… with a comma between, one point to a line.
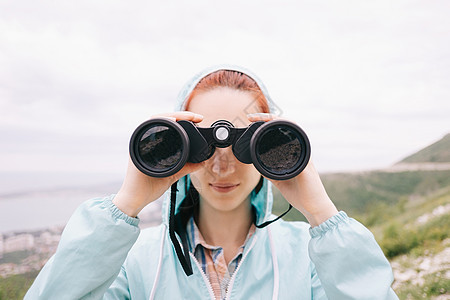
x=371, y=196
x=436, y=153
x=365, y=194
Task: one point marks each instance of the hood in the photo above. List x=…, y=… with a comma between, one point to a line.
x=263, y=200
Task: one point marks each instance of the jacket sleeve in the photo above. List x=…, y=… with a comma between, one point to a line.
x=93, y=247
x=348, y=261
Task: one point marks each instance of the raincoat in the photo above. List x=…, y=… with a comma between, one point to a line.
x=104, y=255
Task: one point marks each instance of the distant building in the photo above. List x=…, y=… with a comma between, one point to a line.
x=47, y=238
x=18, y=243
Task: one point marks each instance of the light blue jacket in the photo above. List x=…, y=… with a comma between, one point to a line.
x=103, y=255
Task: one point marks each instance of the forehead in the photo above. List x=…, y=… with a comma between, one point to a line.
x=224, y=104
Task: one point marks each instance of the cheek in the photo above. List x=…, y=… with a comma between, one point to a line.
x=252, y=175
x=197, y=179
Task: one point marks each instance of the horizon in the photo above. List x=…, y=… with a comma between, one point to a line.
x=12, y=183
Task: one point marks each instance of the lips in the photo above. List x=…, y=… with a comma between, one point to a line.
x=223, y=187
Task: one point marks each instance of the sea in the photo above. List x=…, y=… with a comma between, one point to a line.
x=36, y=201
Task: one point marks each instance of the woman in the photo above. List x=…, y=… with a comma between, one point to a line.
x=219, y=202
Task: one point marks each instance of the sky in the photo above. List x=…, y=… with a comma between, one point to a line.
x=369, y=81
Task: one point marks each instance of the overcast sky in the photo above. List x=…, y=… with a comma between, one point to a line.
x=369, y=81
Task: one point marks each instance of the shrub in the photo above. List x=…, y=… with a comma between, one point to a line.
x=397, y=240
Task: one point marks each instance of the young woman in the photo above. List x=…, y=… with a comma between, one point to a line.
x=103, y=254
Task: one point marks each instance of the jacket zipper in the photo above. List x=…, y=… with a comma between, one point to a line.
x=230, y=285
x=205, y=279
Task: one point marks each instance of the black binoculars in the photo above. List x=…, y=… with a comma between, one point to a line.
x=279, y=149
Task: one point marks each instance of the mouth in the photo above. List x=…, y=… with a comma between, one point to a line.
x=223, y=187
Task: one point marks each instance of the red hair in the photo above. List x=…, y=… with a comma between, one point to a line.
x=234, y=80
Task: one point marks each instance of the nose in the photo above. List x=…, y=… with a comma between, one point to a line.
x=223, y=162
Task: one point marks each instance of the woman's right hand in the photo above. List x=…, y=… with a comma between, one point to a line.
x=139, y=189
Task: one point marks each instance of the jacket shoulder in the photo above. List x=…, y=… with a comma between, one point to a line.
x=297, y=226
x=150, y=237
x=293, y=231
x=146, y=250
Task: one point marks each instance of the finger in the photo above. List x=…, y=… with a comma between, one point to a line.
x=181, y=115
x=164, y=117
x=188, y=116
x=261, y=117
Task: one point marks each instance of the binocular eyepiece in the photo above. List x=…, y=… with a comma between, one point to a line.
x=278, y=149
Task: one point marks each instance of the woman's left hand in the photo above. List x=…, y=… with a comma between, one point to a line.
x=305, y=192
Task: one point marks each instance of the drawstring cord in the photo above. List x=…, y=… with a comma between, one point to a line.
x=184, y=258
x=276, y=219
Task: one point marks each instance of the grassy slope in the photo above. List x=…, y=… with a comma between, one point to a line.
x=15, y=286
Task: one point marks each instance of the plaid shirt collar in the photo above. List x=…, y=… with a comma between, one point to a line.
x=195, y=238
x=211, y=259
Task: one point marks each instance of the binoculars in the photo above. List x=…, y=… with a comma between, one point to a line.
x=279, y=149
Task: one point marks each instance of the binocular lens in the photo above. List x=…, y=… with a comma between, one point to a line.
x=279, y=150
x=160, y=148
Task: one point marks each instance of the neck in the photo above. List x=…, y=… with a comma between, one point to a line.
x=227, y=229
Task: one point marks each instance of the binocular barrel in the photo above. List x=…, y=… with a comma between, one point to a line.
x=279, y=149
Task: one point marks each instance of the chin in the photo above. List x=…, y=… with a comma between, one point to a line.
x=226, y=201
